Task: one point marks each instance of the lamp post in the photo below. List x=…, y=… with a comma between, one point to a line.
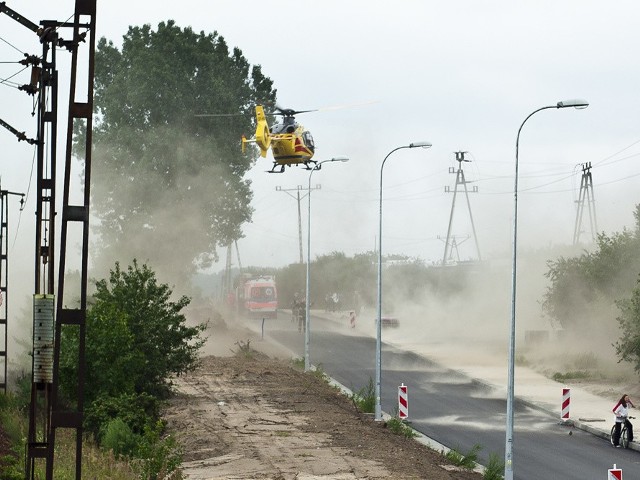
x=317, y=166
x=378, y=410
x=508, y=455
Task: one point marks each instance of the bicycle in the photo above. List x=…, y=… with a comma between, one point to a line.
x=624, y=435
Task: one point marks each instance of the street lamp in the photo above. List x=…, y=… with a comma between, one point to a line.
x=317, y=166
x=508, y=456
x=378, y=411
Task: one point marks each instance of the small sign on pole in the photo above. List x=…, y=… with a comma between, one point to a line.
x=403, y=402
x=566, y=401
x=614, y=473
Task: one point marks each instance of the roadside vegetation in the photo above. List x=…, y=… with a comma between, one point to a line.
x=401, y=427
x=492, y=471
x=592, y=295
x=465, y=460
x=364, y=399
x=597, y=293
x=405, y=281
x=137, y=340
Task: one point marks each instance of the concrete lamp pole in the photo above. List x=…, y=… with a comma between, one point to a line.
x=378, y=410
x=508, y=455
x=317, y=166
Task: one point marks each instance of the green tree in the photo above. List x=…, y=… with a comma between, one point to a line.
x=354, y=279
x=585, y=287
x=628, y=347
x=137, y=338
x=161, y=175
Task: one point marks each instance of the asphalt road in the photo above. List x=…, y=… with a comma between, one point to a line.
x=457, y=411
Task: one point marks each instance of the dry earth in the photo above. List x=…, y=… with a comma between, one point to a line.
x=253, y=415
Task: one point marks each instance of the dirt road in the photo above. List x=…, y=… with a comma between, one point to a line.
x=252, y=415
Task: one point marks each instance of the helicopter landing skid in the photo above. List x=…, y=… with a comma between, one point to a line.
x=308, y=166
x=273, y=170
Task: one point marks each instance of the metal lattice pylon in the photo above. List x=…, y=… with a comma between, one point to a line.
x=585, y=196
x=4, y=211
x=460, y=180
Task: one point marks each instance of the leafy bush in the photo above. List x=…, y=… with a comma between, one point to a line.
x=119, y=438
x=136, y=411
x=160, y=457
x=137, y=338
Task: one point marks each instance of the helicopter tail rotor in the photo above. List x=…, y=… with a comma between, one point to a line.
x=263, y=135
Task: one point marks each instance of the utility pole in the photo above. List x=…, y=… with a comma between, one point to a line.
x=238, y=255
x=73, y=320
x=586, y=195
x=460, y=180
x=298, y=198
x=226, y=279
x=44, y=86
x=47, y=413
x=4, y=279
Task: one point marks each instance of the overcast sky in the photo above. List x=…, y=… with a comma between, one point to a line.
x=462, y=75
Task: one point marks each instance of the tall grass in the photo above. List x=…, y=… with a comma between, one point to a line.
x=96, y=463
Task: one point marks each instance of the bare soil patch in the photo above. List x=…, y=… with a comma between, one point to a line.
x=254, y=416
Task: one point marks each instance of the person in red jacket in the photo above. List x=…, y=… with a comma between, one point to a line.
x=621, y=411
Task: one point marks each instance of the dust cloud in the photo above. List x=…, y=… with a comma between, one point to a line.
x=169, y=220
x=471, y=325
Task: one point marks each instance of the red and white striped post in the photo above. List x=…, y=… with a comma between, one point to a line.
x=614, y=473
x=403, y=402
x=566, y=401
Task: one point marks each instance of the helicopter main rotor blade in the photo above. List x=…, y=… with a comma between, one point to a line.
x=290, y=112
x=220, y=114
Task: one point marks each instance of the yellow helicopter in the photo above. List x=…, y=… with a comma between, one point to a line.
x=290, y=143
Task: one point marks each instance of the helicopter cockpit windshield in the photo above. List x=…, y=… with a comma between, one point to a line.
x=308, y=141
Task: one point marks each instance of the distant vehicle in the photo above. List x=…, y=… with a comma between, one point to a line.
x=257, y=297
x=389, y=322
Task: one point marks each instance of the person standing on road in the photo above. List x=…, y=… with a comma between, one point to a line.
x=621, y=411
x=352, y=319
